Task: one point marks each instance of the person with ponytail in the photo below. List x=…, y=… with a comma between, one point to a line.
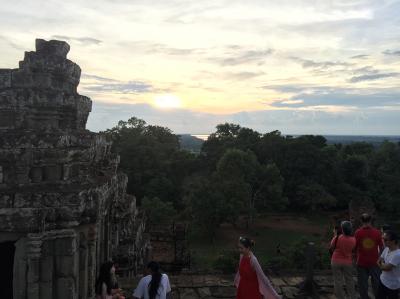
x=250, y=280
x=153, y=286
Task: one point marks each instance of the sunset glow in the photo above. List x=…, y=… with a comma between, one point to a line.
x=298, y=66
x=167, y=101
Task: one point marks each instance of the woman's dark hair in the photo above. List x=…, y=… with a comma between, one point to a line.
x=155, y=282
x=392, y=236
x=104, y=277
x=246, y=242
x=347, y=228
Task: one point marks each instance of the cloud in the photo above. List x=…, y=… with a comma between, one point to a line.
x=141, y=43
x=83, y=40
x=361, y=56
x=97, y=78
x=357, y=73
x=371, y=77
x=243, y=75
x=148, y=47
x=365, y=70
x=392, y=53
x=242, y=57
x=307, y=95
x=12, y=44
x=164, y=49
x=298, y=88
x=358, y=122
x=292, y=102
x=128, y=87
x=98, y=84
x=307, y=63
x=342, y=98
x=107, y=115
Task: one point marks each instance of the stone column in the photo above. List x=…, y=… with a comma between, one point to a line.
x=34, y=244
x=67, y=262
x=20, y=269
x=92, y=260
x=1, y=175
x=47, y=268
x=83, y=266
x=107, y=235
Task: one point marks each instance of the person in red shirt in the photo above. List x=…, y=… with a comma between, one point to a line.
x=343, y=246
x=368, y=247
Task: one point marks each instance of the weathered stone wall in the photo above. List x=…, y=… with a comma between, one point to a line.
x=130, y=245
x=62, y=200
x=169, y=246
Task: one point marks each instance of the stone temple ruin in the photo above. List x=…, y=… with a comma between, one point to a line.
x=63, y=204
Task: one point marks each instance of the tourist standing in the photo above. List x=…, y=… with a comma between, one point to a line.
x=389, y=263
x=106, y=284
x=342, y=246
x=250, y=280
x=368, y=247
x=153, y=286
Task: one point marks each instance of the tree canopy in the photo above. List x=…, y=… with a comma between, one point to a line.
x=240, y=171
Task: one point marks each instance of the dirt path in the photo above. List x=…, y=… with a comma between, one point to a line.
x=291, y=223
x=229, y=234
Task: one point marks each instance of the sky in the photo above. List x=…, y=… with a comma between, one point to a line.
x=298, y=66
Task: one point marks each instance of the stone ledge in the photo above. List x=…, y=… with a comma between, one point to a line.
x=52, y=47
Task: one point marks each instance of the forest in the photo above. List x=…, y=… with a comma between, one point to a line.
x=240, y=172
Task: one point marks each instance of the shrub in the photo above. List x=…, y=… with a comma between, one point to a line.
x=227, y=261
x=158, y=211
x=298, y=259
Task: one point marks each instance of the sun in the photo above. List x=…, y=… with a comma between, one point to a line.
x=167, y=101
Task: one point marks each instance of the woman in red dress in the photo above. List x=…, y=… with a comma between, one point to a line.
x=250, y=280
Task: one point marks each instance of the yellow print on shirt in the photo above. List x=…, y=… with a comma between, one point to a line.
x=368, y=243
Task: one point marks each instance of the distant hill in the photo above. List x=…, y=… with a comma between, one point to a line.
x=375, y=140
x=193, y=143
x=190, y=143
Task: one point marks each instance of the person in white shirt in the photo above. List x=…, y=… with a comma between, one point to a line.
x=153, y=286
x=389, y=262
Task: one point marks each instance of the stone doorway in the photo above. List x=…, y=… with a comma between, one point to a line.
x=7, y=251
